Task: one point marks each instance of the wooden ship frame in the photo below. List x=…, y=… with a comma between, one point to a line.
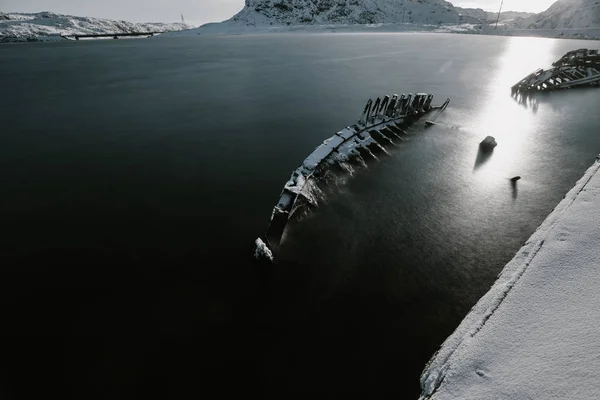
x=382, y=122
x=575, y=69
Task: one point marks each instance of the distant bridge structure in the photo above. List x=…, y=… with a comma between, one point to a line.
x=111, y=35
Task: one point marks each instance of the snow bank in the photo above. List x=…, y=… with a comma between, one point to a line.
x=535, y=333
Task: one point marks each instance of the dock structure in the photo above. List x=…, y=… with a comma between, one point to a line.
x=381, y=122
x=111, y=35
x=574, y=69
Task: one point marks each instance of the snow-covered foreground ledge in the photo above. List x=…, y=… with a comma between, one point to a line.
x=536, y=333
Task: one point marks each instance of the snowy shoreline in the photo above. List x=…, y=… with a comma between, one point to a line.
x=532, y=335
x=229, y=28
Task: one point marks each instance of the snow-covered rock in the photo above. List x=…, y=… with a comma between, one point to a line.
x=488, y=143
x=262, y=251
x=50, y=26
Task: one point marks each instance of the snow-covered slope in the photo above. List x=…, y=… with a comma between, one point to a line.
x=283, y=12
x=44, y=25
x=491, y=16
x=509, y=15
x=566, y=14
x=578, y=19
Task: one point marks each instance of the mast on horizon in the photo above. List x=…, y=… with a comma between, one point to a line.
x=499, y=12
x=182, y=21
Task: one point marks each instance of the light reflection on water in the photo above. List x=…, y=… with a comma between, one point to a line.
x=504, y=118
x=437, y=207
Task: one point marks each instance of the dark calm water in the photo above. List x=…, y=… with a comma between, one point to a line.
x=135, y=176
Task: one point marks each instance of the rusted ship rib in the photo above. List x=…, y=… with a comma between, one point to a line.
x=382, y=121
x=576, y=68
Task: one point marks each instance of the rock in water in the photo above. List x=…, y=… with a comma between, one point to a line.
x=262, y=251
x=488, y=143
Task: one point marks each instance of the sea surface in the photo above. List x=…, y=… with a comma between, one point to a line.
x=136, y=174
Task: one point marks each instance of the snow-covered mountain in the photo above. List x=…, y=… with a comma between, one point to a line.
x=352, y=15
x=566, y=14
x=47, y=25
x=323, y=12
x=488, y=16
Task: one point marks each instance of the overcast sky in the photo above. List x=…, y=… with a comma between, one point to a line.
x=197, y=12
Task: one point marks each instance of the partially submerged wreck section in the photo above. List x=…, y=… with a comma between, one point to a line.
x=576, y=68
x=581, y=57
x=381, y=122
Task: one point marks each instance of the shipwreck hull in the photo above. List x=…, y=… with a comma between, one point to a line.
x=381, y=121
x=581, y=57
x=575, y=69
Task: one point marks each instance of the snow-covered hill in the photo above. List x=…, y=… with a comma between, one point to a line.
x=322, y=12
x=566, y=14
x=48, y=26
x=308, y=14
x=488, y=16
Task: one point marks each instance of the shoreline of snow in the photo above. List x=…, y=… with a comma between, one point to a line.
x=232, y=28
x=227, y=28
x=329, y=29
x=449, y=372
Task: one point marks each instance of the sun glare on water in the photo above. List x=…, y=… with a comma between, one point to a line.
x=511, y=120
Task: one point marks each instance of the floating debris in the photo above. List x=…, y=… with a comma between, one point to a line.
x=381, y=122
x=488, y=143
x=576, y=68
